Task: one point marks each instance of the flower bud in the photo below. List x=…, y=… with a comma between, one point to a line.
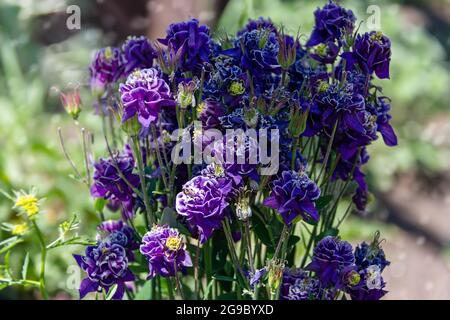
x=72, y=103
x=251, y=117
x=243, y=208
x=297, y=124
x=186, y=95
x=287, y=51
x=275, y=268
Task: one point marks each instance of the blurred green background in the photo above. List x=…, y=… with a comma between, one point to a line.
x=39, y=57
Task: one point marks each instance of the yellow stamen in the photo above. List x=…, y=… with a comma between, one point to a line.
x=19, y=229
x=173, y=243
x=29, y=203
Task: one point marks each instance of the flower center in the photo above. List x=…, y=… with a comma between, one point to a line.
x=108, y=53
x=236, y=88
x=173, y=243
x=377, y=37
x=28, y=203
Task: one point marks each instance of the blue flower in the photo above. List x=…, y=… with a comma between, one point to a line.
x=293, y=195
x=332, y=22
x=192, y=42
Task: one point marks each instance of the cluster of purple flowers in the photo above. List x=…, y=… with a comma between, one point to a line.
x=337, y=269
x=318, y=96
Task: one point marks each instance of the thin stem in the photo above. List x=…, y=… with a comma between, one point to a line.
x=197, y=256
x=178, y=282
x=249, y=246
x=138, y=156
x=327, y=154
x=234, y=258
x=66, y=154
x=158, y=155
x=43, y=258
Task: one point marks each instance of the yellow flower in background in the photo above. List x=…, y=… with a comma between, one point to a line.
x=28, y=203
x=19, y=229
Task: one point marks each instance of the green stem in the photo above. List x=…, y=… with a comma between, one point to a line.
x=43, y=258
x=137, y=153
x=158, y=155
x=239, y=273
x=178, y=282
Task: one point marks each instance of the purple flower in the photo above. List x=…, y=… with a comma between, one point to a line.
x=371, y=285
x=144, y=94
x=298, y=285
x=256, y=51
x=138, y=53
x=380, y=109
x=202, y=203
x=325, y=52
x=332, y=22
x=293, y=195
x=165, y=251
x=106, y=265
x=106, y=67
x=191, y=41
x=117, y=232
x=331, y=261
x=209, y=113
x=372, y=53
x=108, y=183
x=371, y=254
x=256, y=24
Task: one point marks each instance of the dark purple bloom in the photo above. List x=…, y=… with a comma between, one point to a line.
x=380, y=109
x=106, y=67
x=138, y=53
x=332, y=22
x=108, y=183
x=371, y=53
x=193, y=43
x=293, y=195
x=298, y=285
x=331, y=260
x=209, y=113
x=238, y=158
x=360, y=198
x=256, y=24
x=371, y=285
x=106, y=264
x=325, y=52
x=256, y=51
x=144, y=94
x=371, y=254
x=165, y=251
x=227, y=83
x=117, y=232
x=341, y=107
x=202, y=203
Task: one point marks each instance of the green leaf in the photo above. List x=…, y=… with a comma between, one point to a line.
x=323, y=201
x=111, y=292
x=25, y=266
x=169, y=217
x=208, y=288
x=99, y=204
x=261, y=231
x=224, y=278
x=145, y=292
